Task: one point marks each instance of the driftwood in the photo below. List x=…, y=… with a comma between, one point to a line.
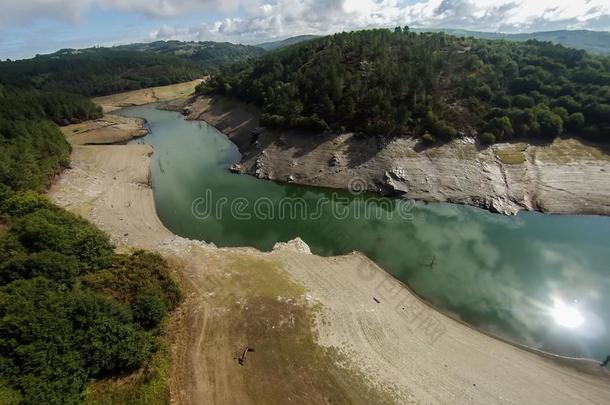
x=242, y=359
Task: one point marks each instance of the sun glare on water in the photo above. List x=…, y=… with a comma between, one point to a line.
x=565, y=315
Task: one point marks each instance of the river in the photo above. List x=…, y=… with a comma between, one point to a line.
x=539, y=280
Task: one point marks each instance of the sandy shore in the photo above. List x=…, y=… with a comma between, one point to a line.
x=146, y=96
x=564, y=177
x=110, y=129
x=335, y=329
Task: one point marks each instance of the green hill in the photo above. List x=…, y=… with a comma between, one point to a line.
x=429, y=84
x=268, y=46
x=591, y=41
x=97, y=71
x=209, y=55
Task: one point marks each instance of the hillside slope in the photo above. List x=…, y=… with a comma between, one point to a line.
x=591, y=41
x=207, y=54
x=268, y=46
x=431, y=85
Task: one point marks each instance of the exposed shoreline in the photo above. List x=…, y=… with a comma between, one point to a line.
x=564, y=177
x=109, y=186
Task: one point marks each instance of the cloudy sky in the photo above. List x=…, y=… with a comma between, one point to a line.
x=28, y=27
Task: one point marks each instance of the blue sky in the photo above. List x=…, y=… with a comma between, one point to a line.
x=28, y=27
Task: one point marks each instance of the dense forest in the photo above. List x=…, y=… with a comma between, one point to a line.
x=32, y=147
x=70, y=308
x=207, y=54
x=431, y=85
x=97, y=71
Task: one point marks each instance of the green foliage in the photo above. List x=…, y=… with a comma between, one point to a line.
x=148, y=309
x=63, y=232
x=97, y=71
x=54, y=339
x=56, y=333
x=403, y=83
x=500, y=127
x=575, y=122
x=58, y=329
x=52, y=265
x=487, y=138
x=131, y=276
x=208, y=55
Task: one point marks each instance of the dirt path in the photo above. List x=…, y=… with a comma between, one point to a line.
x=323, y=330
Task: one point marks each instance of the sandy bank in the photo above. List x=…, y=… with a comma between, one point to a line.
x=565, y=177
x=109, y=129
x=146, y=96
x=333, y=329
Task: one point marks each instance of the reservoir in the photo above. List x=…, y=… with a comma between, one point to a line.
x=539, y=280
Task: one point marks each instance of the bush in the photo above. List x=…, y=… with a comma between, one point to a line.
x=54, y=340
x=65, y=233
x=136, y=274
x=550, y=124
x=313, y=123
x=148, y=309
x=575, y=122
x=487, y=138
x=272, y=120
x=26, y=202
x=51, y=265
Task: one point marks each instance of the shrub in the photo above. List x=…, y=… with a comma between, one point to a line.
x=148, y=309
x=272, y=120
x=135, y=274
x=51, y=265
x=575, y=122
x=487, y=138
x=65, y=233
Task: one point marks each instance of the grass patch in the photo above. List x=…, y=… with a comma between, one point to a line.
x=268, y=312
x=510, y=156
x=570, y=150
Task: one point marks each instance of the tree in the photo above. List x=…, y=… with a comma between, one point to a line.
x=550, y=124
x=500, y=127
x=148, y=309
x=575, y=122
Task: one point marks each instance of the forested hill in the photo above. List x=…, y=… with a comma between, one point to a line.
x=430, y=84
x=71, y=310
x=97, y=71
x=209, y=55
x=591, y=41
x=268, y=46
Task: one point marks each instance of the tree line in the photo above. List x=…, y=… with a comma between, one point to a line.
x=432, y=85
x=71, y=310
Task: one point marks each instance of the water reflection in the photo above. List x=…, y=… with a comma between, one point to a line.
x=537, y=279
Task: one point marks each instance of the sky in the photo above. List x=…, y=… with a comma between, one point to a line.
x=28, y=27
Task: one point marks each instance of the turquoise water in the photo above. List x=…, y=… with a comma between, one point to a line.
x=540, y=280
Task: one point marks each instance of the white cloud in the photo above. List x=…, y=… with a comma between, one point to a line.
x=252, y=20
x=19, y=12
x=284, y=18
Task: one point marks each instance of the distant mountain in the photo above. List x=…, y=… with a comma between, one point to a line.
x=591, y=41
x=286, y=42
x=208, y=54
